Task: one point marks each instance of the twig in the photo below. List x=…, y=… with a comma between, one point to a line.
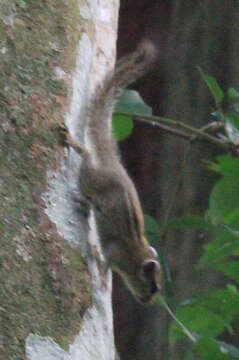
x=167, y=129
x=182, y=326
x=194, y=131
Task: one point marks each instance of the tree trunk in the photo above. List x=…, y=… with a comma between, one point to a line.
x=54, y=296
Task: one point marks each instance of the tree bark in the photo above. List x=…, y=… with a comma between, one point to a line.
x=54, y=295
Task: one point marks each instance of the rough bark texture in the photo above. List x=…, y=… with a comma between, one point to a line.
x=47, y=290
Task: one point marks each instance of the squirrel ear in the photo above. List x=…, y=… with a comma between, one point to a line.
x=151, y=271
x=154, y=252
x=149, y=267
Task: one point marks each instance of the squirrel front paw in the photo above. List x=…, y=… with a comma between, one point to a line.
x=67, y=140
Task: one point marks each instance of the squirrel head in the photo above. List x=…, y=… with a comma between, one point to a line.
x=141, y=273
x=145, y=282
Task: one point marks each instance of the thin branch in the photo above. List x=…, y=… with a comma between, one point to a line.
x=167, y=129
x=194, y=131
x=182, y=326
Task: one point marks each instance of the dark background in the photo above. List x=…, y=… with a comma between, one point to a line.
x=187, y=34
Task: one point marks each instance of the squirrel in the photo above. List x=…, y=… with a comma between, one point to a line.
x=107, y=188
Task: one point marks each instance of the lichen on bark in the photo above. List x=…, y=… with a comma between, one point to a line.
x=42, y=280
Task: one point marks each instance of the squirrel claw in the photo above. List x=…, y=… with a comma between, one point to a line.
x=67, y=140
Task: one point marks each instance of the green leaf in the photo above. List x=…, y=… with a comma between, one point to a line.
x=131, y=102
x=233, y=94
x=224, y=245
x=190, y=222
x=224, y=303
x=210, y=349
x=152, y=229
x=224, y=202
x=213, y=86
x=227, y=165
x=151, y=225
x=189, y=355
x=207, y=316
x=198, y=320
x=235, y=107
x=231, y=269
x=233, y=119
x=212, y=166
x=122, y=126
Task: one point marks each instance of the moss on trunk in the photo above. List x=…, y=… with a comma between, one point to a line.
x=43, y=282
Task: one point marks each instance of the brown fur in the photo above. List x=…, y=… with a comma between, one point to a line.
x=109, y=190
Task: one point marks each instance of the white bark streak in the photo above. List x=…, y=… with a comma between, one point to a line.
x=95, y=56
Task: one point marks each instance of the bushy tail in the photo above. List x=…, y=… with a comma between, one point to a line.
x=134, y=65
x=128, y=69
